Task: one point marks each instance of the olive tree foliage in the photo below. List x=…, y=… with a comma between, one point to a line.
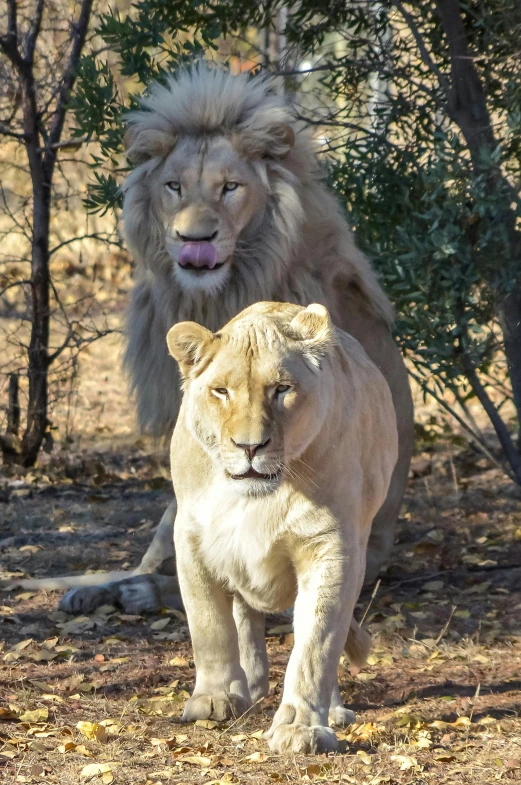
x=41, y=44
x=419, y=106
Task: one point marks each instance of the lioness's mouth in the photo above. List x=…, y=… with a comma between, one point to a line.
x=251, y=474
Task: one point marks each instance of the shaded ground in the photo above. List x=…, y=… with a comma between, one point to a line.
x=438, y=702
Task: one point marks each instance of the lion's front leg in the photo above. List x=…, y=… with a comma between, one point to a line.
x=327, y=591
x=221, y=689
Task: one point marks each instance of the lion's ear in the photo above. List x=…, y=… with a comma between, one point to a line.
x=188, y=342
x=142, y=145
x=267, y=134
x=313, y=327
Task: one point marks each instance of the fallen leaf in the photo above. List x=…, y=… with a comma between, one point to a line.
x=208, y=724
x=255, y=757
x=98, y=770
x=93, y=731
x=37, y=715
x=178, y=662
x=160, y=624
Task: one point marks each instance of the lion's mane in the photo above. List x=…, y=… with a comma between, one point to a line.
x=298, y=250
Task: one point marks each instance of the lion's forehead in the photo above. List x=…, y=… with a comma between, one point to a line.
x=204, y=160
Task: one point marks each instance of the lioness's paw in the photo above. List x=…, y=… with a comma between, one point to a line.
x=215, y=707
x=303, y=739
x=340, y=717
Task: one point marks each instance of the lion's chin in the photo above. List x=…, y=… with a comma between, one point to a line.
x=202, y=279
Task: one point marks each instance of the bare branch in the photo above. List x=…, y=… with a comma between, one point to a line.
x=12, y=286
x=34, y=31
x=78, y=35
x=424, y=52
x=12, y=24
x=5, y=131
x=102, y=237
x=476, y=438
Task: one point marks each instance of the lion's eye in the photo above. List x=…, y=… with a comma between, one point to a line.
x=174, y=186
x=220, y=392
x=227, y=187
x=282, y=388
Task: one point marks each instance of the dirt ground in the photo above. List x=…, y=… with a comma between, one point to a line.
x=98, y=699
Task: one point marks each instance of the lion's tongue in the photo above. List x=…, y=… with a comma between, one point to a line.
x=198, y=254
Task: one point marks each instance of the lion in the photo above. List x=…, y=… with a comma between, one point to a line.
x=226, y=207
x=282, y=455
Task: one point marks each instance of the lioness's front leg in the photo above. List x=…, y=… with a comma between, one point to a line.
x=328, y=582
x=251, y=629
x=221, y=689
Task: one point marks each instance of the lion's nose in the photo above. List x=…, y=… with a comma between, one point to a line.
x=251, y=449
x=197, y=237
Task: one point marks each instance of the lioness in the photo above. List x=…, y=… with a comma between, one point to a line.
x=282, y=455
x=226, y=207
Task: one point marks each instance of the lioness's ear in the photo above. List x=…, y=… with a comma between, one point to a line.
x=141, y=145
x=313, y=327
x=188, y=343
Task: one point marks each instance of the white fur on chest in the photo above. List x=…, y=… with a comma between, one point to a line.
x=244, y=543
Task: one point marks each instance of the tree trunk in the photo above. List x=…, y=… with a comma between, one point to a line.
x=38, y=361
x=467, y=107
x=38, y=365
x=511, y=326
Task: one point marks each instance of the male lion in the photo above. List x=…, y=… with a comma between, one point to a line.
x=225, y=208
x=281, y=456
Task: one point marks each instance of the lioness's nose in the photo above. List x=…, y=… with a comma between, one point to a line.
x=251, y=449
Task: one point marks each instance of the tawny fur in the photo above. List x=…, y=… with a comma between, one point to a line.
x=295, y=246
x=281, y=393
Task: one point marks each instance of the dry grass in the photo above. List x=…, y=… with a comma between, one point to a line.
x=438, y=703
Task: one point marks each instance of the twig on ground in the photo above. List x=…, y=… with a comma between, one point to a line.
x=373, y=595
x=446, y=625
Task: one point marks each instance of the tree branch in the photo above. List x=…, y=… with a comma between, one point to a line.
x=94, y=236
x=79, y=33
x=512, y=454
x=420, y=43
x=5, y=131
x=34, y=31
x=480, y=444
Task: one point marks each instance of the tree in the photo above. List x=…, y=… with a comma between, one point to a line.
x=40, y=52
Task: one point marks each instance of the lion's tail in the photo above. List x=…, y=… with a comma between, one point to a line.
x=358, y=644
x=66, y=581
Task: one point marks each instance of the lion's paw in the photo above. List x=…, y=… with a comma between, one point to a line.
x=224, y=706
x=84, y=600
x=340, y=717
x=303, y=739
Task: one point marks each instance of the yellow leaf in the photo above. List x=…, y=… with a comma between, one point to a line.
x=21, y=645
x=208, y=724
x=96, y=770
x=67, y=747
x=178, y=662
x=93, y=731
x=38, y=715
x=255, y=757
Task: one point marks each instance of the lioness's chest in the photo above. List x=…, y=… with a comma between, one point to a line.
x=247, y=546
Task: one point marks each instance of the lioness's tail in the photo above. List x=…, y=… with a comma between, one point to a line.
x=66, y=581
x=358, y=644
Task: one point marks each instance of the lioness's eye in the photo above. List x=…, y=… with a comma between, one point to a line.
x=282, y=388
x=230, y=187
x=174, y=186
x=220, y=392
